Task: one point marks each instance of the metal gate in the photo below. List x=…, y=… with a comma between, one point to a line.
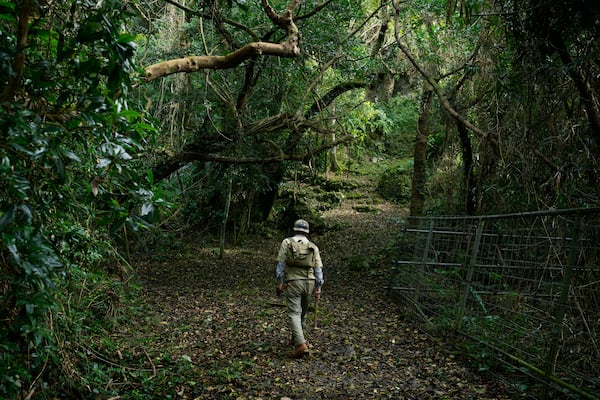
x=525, y=288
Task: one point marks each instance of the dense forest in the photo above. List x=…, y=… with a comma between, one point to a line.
x=128, y=124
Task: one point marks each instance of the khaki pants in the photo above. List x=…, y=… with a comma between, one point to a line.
x=297, y=296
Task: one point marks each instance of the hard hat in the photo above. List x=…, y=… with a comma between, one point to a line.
x=301, y=226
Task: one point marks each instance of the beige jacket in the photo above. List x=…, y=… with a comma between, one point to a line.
x=293, y=273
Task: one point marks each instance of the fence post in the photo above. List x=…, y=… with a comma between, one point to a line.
x=469, y=277
x=423, y=262
x=562, y=304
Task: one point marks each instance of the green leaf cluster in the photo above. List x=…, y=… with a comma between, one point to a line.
x=71, y=147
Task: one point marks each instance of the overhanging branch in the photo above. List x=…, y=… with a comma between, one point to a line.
x=197, y=63
x=166, y=168
x=225, y=159
x=331, y=95
x=289, y=48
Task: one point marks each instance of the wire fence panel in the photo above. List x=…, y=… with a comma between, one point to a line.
x=524, y=287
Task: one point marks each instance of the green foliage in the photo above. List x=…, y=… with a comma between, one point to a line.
x=204, y=199
x=74, y=139
x=330, y=200
x=359, y=263
x=69, y=152
x=232, y=372
x=395, y=183
x=92, y=312
x=402, y=113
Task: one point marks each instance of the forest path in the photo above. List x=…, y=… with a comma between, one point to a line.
x=222, y=317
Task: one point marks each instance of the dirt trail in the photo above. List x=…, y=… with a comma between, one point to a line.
x=223, y=316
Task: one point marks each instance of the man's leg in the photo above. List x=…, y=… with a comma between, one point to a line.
x=294, y=304
x=309, y=287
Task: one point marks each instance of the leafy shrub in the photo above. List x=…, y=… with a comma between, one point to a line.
x=395, y=183
x=69, y=173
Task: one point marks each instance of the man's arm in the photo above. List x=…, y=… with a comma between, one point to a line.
x=318, y=282
x=280, y=272
x=319, y=277
x=318, y=270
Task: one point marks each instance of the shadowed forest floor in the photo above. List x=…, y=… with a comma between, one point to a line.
x=222, y=317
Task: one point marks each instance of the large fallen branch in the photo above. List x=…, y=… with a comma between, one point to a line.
x=192, y=153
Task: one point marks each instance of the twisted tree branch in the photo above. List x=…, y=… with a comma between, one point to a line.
x=289, y=48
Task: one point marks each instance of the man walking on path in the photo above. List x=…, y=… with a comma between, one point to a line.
x=300, y=274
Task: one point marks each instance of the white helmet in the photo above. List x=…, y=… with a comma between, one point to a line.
x=301, y=226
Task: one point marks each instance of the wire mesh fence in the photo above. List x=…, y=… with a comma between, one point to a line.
x=523, y=288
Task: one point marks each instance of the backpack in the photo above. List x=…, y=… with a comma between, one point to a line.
x=300, y=254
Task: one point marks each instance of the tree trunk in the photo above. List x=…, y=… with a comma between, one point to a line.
x=8, y=92
x=420, y=155
x=467, y=155
x=333, y=162
x=266, y=200
x=225, y=214
x=587, y=95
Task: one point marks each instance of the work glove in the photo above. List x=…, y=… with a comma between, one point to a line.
x=318, y=294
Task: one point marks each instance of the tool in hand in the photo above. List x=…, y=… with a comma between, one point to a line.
x=316, y=312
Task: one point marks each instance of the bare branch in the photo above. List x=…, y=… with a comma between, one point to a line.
x=182, y=7
x=438, y=90
x=197, y=156
x=210, y=16
x=289, y=48
x=197, y=63
x=241, y=160
x=283, y=20
x=334, y=93
x=314, y=11
x=269, y=124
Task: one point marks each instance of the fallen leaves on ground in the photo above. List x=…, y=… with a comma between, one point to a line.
x=220, y=317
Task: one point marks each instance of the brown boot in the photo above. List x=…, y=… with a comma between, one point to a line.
x=292, y=341
x=300, y=351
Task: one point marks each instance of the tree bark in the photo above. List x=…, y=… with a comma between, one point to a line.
x=225, y=214
x=197, y=63
x=469, y=181
x=417, y=200
x=588, y=98
x=25, y=10
x=333, y=162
